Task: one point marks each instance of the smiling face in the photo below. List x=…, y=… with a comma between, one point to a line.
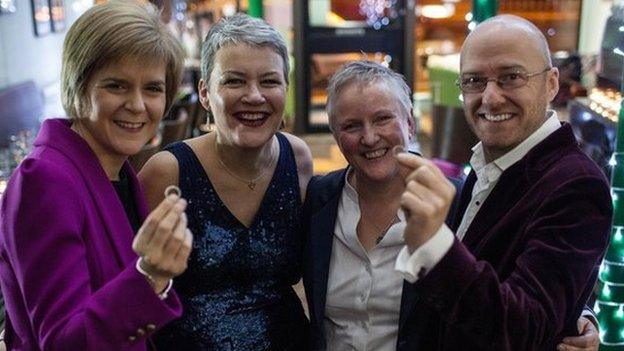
x=246, y=94
x=502, y=119
x=367, y=132
x=127, y=101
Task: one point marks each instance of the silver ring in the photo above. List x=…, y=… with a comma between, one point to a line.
x=172, y=189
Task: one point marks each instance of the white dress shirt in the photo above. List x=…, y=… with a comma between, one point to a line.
x=427, y=256
x=363, y=289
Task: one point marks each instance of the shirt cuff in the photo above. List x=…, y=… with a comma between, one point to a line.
x=589, y=314
x=425, y=257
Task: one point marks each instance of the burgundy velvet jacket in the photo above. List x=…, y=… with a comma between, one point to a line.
x=67, y=266
x=527, y=264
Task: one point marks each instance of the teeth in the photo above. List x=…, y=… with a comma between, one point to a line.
x=252, y=116
x=128, y=124
x=376, y=153
x=497, y=118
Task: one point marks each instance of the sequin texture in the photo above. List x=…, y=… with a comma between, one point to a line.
x=237, y=292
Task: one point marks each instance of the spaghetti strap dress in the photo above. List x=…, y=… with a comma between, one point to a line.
x=237, y=291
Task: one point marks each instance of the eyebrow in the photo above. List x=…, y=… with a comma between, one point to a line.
x=503, y=68
x=125, y=81
x=239, y=73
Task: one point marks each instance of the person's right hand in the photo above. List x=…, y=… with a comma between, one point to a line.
x=163, y=242
x=426, y=200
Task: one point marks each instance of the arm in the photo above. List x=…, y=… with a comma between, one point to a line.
x=534, y=304
x=303, y=157
x=160, y=171
x=45, y=235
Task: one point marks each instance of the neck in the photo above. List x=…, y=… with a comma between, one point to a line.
x=110, y=163
x=248, y=162
x=386, y=192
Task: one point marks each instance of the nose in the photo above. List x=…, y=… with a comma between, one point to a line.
x=369, y=136
x=253, y=95
x=135, y=101
x=492, y=96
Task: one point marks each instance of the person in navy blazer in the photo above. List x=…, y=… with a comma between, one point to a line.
x=514, y=271
x=69, y=270
x=326, y=195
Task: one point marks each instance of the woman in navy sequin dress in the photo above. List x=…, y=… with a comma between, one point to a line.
x=244, y=184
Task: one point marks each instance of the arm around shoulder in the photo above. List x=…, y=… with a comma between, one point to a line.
x=160, y=171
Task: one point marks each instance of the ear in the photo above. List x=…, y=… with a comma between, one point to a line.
x=552, y=83
x=203, y=94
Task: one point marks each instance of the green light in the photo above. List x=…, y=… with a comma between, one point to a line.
x=618, y=235
x=620, y=312
x=606, y=292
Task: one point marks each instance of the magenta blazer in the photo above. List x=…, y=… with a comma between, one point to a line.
x=67, y=269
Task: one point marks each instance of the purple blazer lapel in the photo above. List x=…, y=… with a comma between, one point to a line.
x=513, y=183
x=56, y=134
x=503, y=197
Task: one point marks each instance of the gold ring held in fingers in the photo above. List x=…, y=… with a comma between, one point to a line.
x=172, y=189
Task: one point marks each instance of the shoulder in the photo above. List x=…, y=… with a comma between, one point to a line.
x=303, y=155
x=162, y=164
x=323, y=188
x=572, y=166
x=160, y=171
x=47, y=172
x=41, y=188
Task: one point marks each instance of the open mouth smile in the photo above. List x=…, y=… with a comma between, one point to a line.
x=131, y=126
x=495, y=117
x=371, y=155
x=252, y=119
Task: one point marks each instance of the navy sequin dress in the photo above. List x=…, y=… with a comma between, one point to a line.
x=237, y=291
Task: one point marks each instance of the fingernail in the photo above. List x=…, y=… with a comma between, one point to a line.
x=398, y=149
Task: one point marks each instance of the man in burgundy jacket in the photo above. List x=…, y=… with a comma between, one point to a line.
x=536, y=210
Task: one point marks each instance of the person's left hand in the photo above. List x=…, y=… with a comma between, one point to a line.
x=426, y=201
x=588, y=340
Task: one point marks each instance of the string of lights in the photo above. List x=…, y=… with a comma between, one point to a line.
x=379, y=13
x=609, y=306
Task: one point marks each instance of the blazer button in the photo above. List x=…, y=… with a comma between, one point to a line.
x=132, y=338
x=140, y=332
x=150, y=327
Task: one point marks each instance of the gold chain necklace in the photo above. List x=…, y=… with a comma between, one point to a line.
x=251, y=184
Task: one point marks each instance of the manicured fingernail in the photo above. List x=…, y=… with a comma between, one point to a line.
x=398, y=149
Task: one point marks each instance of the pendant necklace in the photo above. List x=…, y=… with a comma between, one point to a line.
x=384, y=231
x=251, y=184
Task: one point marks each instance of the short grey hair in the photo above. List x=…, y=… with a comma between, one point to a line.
x=365, y=72
x=241, y=29
x=108, y=33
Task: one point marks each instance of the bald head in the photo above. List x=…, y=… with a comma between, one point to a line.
x=518, y=27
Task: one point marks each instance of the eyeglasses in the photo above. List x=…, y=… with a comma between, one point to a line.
x=506, y=81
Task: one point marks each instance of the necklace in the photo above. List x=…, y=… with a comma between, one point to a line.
x=251, y=184
x=385, y=230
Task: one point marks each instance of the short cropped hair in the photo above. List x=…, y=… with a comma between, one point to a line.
x=241, y=29
x=365, y=72
x=108, y=33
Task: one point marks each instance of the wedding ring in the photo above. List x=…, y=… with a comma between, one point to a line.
x=172, y=189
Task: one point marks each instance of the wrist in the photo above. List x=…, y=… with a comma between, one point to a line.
x=160, y=284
